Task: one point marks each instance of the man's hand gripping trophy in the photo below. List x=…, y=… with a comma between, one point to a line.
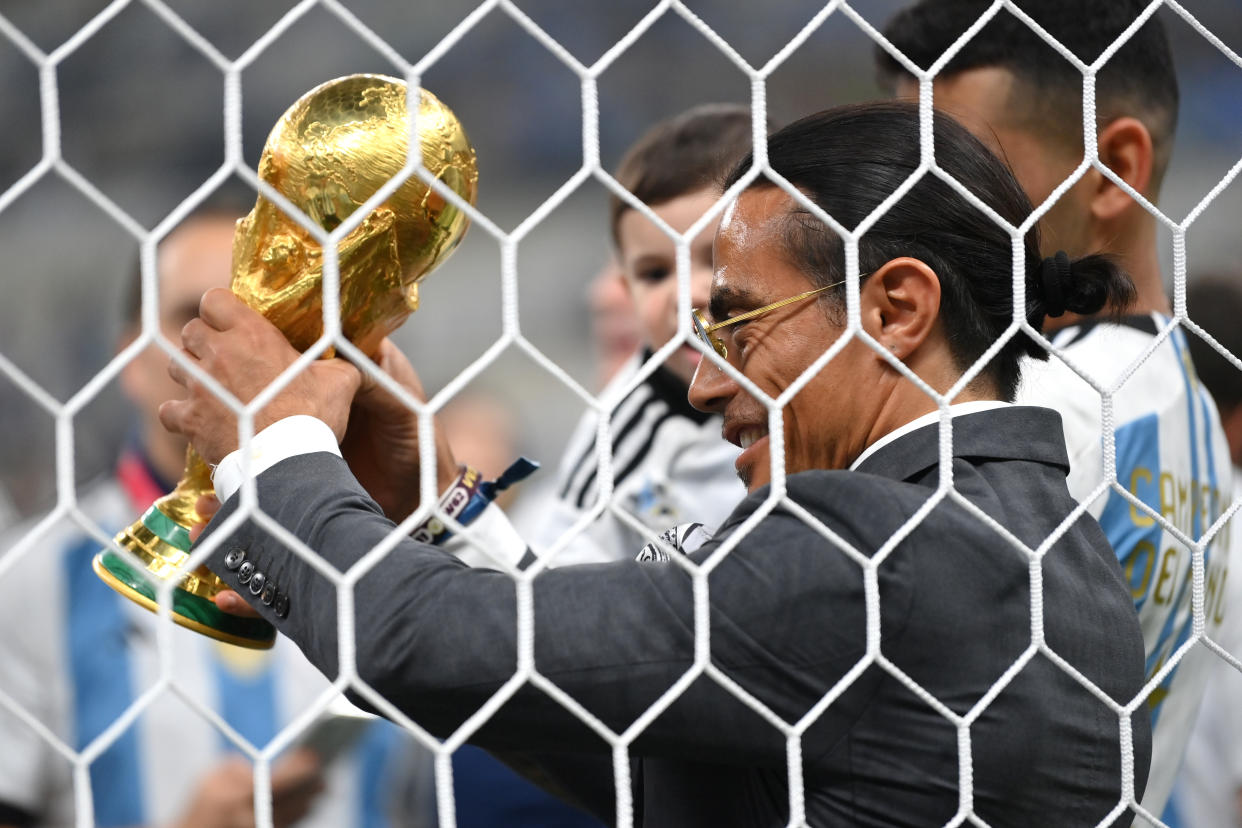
x=329, y=153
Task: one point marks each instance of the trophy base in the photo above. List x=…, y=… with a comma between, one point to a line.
x=188, y=610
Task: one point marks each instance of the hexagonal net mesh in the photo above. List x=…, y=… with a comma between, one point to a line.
x=1189, y=583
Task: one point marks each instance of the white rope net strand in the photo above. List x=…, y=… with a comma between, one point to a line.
x=515, y=338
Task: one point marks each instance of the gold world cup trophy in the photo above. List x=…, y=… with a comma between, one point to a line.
x=329, y=153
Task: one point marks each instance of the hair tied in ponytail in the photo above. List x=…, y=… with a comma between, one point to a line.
x=1054, y=274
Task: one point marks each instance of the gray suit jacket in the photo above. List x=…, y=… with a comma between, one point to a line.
x=788, y=622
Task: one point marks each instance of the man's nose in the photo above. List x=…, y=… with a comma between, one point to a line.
x=711, y=388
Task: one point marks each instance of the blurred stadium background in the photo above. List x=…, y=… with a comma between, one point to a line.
x=141, y=118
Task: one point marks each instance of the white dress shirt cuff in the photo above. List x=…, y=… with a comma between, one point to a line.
x=299, y=434
x=303, y=434
x=492, y=531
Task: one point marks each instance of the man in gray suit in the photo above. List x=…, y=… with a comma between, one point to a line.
x=924, y=639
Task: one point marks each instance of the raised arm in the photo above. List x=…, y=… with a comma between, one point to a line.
x=439, y=639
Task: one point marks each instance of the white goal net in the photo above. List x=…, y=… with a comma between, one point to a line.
x=529, y=321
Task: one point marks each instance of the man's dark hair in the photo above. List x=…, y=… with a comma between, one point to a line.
x=1215, y=303
x=849, y=159
x=1138, y=81
x=226, y=206
x=682, y=155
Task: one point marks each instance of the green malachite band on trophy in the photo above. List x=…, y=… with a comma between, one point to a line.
x=186, y=606
x=167, y=529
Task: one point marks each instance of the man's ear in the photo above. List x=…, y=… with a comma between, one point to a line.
x=901, y=305
x=1125, y=148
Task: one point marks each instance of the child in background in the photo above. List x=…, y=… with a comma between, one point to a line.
x=669, y=464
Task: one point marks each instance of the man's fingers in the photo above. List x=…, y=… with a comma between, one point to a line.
x=367, y=383
x=297, y=769
x=393, y=363
x=206, y=506
x=173, y=416
x=178, y=372
x=220, y=308
x=296, y=780
x=232, y=603
x=194, y=337
x=345, y=375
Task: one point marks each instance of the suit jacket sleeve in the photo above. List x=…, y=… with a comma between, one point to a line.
x=439, y=639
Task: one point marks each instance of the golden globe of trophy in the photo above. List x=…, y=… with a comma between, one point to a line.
x=329, y=153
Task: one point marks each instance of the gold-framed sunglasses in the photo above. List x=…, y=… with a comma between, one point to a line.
x=706, y=332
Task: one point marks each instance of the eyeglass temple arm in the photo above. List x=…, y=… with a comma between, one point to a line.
x=742, y=317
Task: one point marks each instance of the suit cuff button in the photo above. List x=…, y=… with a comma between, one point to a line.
x=257, y=582
x=245, y=572
x=280, y=605
x=234, y=558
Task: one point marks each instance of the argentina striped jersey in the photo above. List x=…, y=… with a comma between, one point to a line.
x=1171, y=455
x=77, y=656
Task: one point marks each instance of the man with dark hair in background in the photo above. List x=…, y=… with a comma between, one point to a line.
x=1023, y=99
x=1209, y=787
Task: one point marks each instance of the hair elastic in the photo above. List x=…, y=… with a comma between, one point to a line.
x=1054, y=273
